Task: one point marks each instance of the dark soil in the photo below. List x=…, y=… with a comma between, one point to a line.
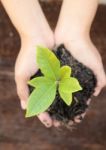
x=87, y=80
x=59, y=110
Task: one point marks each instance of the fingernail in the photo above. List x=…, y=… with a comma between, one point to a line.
x=23, y=104
x=46, y=123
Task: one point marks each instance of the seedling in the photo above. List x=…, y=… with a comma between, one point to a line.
x=54, y=78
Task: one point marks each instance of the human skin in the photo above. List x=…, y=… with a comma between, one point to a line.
x=30, y=22
x=73, y=29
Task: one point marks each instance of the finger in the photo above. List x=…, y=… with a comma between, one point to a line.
x=79, y=118
x=56, y=123
x=98, y=88
x=88, y=101
x=45, y=119
x=97, y=91
x=70, y=123
x=101, y=82
x=22, y=90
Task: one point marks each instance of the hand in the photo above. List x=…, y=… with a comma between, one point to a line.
x=34, y=30
x=26, y=67
x=84, y=51
x=72, y=30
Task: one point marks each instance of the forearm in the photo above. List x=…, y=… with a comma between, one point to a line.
x=77, y=15
x=25, y=15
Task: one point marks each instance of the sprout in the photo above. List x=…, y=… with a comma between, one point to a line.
x=54, y=78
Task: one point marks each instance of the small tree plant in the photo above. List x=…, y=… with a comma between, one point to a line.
x=54, y=78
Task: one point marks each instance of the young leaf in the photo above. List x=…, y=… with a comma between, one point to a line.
x=65, y=95
x=66, y=87
x=65, y=72
x=40, y=99
x=70, y=85
x=75, y=86
x=38, y=81
x=48, y=63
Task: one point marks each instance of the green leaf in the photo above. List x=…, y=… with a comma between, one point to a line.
x=67, y=97
x=70, y=85
x=65, y=72
x=54, y=76
x=40, y=99
x=38, y=81
x=48, y=63
x=66, y=87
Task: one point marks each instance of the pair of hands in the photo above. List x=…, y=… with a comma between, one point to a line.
x=72, y=30
x=81, y=48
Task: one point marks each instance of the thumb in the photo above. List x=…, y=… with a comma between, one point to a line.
x=22, y=89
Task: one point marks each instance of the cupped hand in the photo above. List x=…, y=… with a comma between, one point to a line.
x=85, y=52
x=26, y=67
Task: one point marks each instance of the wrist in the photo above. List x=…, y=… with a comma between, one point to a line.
x=71, y=37
x=37, y=39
